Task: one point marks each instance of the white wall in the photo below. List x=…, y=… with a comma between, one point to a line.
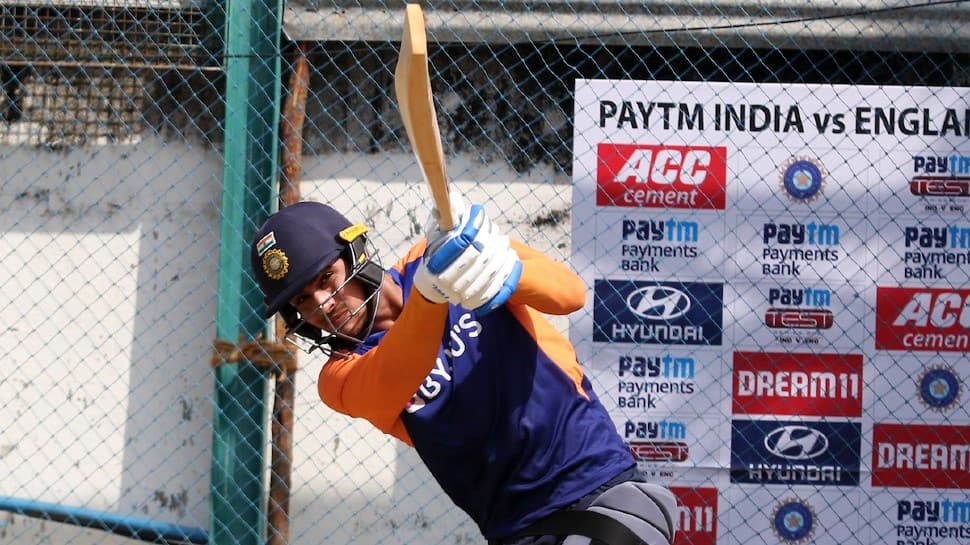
x=107, y=312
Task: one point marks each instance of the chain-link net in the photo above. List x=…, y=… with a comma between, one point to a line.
x=800, y=399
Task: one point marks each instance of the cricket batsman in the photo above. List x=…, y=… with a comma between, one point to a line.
x=449, y=352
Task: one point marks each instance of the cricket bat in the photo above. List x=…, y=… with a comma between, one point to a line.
x=412, y=84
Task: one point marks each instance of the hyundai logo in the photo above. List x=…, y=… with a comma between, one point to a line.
x=658, y=303
x=796, y=442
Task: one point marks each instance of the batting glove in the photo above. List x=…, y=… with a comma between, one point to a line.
x=471, y=265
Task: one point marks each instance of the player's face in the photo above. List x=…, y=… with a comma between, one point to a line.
x=332, y=303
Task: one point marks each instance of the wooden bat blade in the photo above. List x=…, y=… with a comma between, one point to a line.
x=412, y=85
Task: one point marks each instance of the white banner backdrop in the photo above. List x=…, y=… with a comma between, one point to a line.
x=779, y=316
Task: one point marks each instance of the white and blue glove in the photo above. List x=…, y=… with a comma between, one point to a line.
x=472, y=265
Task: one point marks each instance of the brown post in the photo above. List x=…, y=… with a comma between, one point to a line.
x=281, y=465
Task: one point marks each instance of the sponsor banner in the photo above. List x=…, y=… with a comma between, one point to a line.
x=920, y=456
x=696, y=517
x=782, y=249
x=800, y=515
x=923, y=319
x=640, y=244
x=668, y=446
x=924, y=183
x=919, y=252
x=921, y=517
x=800, y=182
x=795, y=452
x=661, y=176
x=786, y=383
x=921, y=387
x=796, y=316
x=663, y=380
x=649, y=312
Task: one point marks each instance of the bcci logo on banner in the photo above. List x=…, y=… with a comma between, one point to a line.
x=803, y=179
x=793, y=521
x=939, y=388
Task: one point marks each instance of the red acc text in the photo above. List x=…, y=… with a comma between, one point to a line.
x=923, y=319
x=658, y=176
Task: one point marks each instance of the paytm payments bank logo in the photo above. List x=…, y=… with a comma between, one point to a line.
x=648, y=312
x=661, y=176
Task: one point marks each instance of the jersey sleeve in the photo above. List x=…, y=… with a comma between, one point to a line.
x=378, y=384
x=547, y=285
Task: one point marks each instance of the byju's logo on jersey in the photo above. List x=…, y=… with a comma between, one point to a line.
x=642, y=312
x=795, y=452
x=940, y=176
x=923, y=319
x=803, y=179
x=659, y=176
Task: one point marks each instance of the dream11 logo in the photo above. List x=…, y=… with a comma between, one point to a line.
x=921, y=456
x=696, y=518
x=661, y=176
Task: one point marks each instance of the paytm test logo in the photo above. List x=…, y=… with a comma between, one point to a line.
x=642, y=312
x=659, y=176
x=940, y=176
x=799, y=308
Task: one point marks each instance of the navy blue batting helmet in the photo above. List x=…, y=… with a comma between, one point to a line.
x=293, y=246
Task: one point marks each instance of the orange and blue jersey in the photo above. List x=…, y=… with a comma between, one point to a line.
x=497, y=406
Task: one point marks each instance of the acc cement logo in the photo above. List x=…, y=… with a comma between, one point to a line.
x=940, y=388
x=803, y=179
x=658, y=303
x=796, y=442
x=793, y=521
